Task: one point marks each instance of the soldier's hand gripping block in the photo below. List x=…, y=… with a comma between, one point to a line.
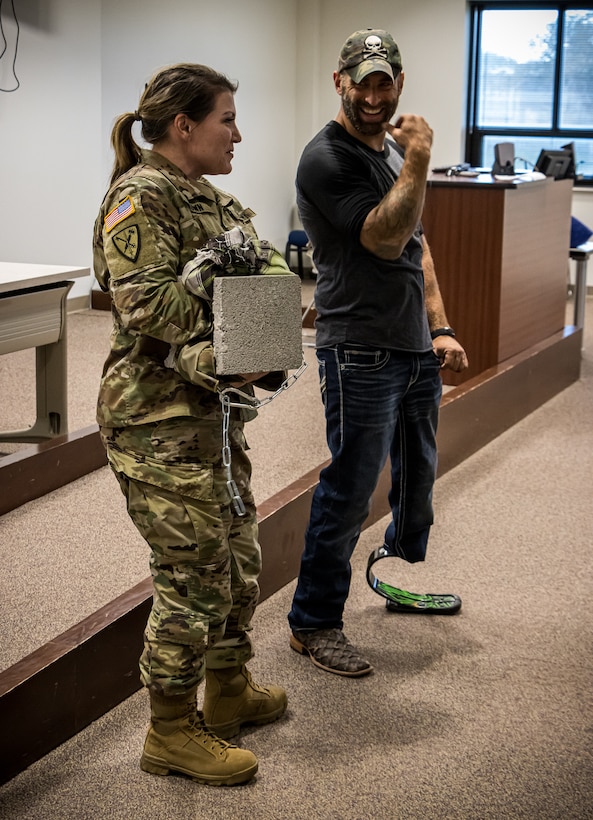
x=257, y=323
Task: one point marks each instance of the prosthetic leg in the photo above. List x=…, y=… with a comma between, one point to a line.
x=400, y=600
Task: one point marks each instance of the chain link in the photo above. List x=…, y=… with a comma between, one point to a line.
x=252, y=402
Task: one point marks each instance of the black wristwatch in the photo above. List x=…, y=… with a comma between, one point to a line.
x=442, y=331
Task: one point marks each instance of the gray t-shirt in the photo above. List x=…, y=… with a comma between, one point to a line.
x=359, y=297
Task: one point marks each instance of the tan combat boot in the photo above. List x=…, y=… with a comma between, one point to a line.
x=178, y=741
x=232, y=699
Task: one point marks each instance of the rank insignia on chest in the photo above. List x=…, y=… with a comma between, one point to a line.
x=127, y=242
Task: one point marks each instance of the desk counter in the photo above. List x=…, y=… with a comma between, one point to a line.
x=501, y=256
x=33, y=313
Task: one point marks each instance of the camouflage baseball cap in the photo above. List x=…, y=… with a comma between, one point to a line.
x=369, y=50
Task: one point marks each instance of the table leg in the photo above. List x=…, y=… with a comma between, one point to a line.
x=580, y=292
x=40, y=321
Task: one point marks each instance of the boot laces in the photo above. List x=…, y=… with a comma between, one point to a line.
x=255, y=686
x=209, y=739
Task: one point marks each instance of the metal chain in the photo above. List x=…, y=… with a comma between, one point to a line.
x=248, y=401
x=231, y=484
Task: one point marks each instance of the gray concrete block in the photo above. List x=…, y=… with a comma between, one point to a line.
x=257, y=323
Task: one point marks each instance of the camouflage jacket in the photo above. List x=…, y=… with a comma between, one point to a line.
x=150, y=225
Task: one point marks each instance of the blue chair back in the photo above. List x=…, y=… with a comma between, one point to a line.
x=298, y=238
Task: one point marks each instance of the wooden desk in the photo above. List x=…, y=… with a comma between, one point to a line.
x=33, y=314
x=500, y=251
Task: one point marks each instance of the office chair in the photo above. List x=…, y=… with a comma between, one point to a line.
x=579, y=233
x=297, y=241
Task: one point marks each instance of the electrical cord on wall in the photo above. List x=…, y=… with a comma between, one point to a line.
x=5, y=51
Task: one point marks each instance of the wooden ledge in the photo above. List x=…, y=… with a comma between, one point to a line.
x=38, y=469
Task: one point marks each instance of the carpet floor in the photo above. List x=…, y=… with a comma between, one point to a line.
x=487, y=715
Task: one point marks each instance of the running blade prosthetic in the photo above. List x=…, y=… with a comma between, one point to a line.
x=400, y=600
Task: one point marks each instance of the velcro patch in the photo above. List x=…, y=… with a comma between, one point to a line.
x=127, y=242
x=119, y=213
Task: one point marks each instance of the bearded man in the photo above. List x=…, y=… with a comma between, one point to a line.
x=382, y=338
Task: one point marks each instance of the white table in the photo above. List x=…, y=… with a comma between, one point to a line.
x=33, y=313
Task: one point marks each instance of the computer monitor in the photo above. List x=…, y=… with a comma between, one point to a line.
x=555, y=162
x=572, y=168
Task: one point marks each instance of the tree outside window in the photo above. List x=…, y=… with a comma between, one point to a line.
x=531, y=82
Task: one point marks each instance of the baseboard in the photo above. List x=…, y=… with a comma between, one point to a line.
x=100, y=300
x=63, y=686
x=76, y=303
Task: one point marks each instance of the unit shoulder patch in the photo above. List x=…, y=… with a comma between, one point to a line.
x=127, y=242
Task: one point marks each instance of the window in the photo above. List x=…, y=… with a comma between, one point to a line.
x=531, y=82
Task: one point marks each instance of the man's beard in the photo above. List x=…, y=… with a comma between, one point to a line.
x=368, y=129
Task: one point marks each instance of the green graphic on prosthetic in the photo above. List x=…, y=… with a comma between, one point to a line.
x=418, y=600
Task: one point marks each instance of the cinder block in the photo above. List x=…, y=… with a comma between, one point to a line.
x=257, y=323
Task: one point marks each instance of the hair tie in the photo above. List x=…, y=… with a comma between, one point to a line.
x=137, y=116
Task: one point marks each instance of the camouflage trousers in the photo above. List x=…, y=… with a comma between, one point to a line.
x=205, y=560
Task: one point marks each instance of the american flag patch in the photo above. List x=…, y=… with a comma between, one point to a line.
x=123, y=210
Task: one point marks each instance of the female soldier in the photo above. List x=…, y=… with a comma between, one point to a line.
x=161, y=423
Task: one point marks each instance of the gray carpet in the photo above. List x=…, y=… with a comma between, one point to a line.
x=488, y=714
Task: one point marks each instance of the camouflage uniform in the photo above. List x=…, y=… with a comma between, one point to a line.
x=161, y=422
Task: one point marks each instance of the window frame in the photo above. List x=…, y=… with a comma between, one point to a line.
x=474, y=134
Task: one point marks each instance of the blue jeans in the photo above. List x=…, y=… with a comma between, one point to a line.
x=377, y=403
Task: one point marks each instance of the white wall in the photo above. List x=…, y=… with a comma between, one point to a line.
x=431, y=35
x=81, y=64
x=252, y=42
x=50, y=132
